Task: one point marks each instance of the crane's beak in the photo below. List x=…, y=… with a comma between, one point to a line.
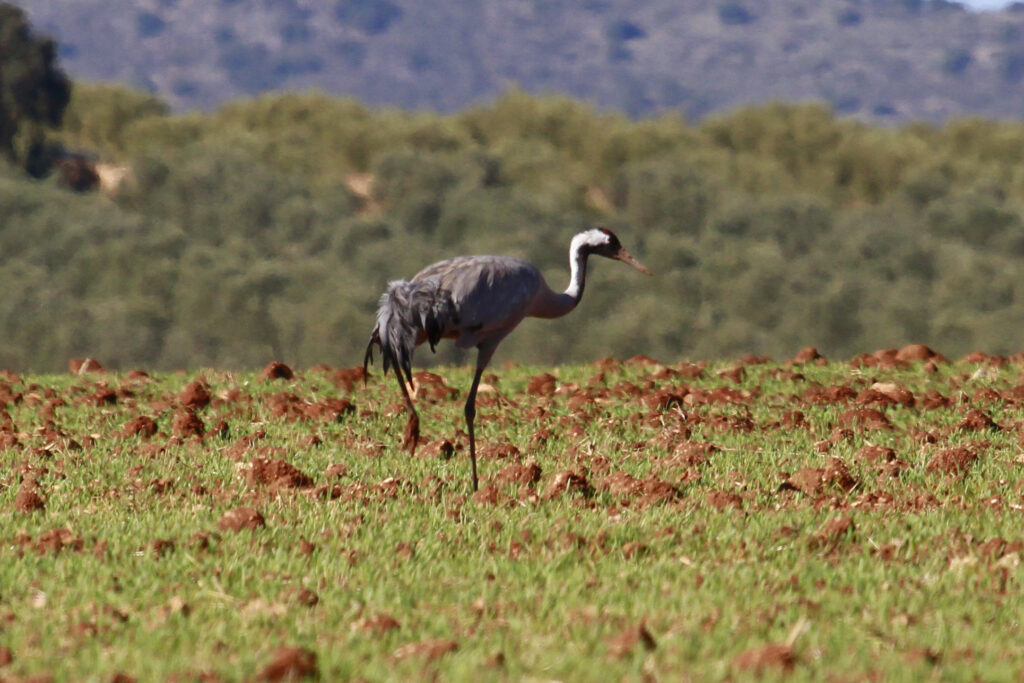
x=626, y=257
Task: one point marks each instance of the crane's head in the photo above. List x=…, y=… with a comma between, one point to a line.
x=603, y=242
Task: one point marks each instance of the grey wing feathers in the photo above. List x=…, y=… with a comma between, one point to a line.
x=407, y=313
x=492, y=293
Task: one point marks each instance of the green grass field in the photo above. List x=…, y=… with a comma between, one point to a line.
x=842, y=520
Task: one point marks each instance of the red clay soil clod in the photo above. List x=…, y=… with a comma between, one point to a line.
x=276, y=370
x=241, y=518
x=291, y=663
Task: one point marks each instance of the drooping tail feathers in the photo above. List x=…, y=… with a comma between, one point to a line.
x=408, y=312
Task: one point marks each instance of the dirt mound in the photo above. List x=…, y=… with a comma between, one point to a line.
x=760, y=660
x=721, y=500
x=567, y=482
x=812, y=481
x=277, y=474
x=348, y=378
x=142, y=425
x=427, y=649
x=517, y=474
x=28, y=499
x=187, y=424
x=808, y=354
x=541, y=385
x=276, y=370
x=194, y=396
x=291, y=663
x=241, y=518
x=952, y=461
x=625, y=642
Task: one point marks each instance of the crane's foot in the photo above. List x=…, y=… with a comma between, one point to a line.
x=412, y=434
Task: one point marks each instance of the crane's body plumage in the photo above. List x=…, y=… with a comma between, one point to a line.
x=492, y=294
x=477, y=301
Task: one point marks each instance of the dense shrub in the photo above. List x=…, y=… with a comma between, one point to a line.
x=267, y=230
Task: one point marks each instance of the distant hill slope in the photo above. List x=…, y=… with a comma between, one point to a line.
x=882, y=60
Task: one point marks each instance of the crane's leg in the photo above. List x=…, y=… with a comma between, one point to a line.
x=482, y=359
x=470, y=416
x=412, y=428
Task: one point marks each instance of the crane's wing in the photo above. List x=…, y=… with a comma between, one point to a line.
x=490, y=294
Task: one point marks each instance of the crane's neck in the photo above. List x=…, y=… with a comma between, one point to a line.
x=553, y=305
x=577, y=272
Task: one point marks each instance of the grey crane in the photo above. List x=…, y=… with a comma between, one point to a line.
x=477, y=301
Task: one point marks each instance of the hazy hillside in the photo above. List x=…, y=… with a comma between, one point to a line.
x=885, y=60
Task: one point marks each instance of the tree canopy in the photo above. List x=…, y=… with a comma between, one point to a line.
x=267, y=230
x=33, y=90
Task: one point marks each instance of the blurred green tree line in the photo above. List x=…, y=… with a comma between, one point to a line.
x=268, y=228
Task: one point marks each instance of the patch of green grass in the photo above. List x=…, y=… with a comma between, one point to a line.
x=732, y=531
